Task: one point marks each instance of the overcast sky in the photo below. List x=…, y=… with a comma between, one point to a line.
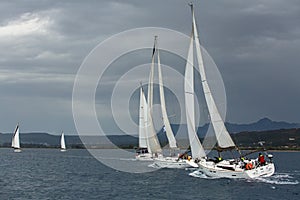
x=255, y=45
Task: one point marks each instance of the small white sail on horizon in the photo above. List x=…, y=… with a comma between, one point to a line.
x=16, y=140
x=62, y=142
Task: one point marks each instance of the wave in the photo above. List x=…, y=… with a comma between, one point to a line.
x=278, y=179
x=153, y=165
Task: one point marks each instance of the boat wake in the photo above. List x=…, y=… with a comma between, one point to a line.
x=278, y=179
x=115, y=158
x=153, y=165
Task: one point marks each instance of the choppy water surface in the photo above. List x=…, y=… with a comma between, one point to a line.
x=75, y=174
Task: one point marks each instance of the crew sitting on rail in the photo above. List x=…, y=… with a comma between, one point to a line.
x=218, y=159
x=249, y=166
x=242, y=162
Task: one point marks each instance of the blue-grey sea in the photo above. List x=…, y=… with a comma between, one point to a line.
x=75, y=174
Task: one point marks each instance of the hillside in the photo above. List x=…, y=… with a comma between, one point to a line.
x=276, y=135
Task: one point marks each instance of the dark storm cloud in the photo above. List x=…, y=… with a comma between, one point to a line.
x=254, y=43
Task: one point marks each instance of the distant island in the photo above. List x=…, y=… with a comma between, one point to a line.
x=274, y=135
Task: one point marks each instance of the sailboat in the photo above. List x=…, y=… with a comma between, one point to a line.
x=16, y=140
x=144, y=151
x=171, y=161
x=149, y=147
x=62, y=143
x=224, y=168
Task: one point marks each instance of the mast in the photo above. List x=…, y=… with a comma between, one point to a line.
x=169, y=132
x=151, y=77
x=223, y=137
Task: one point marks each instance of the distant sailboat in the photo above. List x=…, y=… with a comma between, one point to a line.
x=224, y=168
x=171, y=161
x=144, y=151
x=62, y=143
x=149, y=147
x=16, y=140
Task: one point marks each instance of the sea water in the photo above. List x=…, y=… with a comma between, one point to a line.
x=75, y=174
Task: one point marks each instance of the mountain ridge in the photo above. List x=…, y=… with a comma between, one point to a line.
x=243, y=133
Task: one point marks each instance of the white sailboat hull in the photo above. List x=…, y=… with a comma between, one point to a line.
x=224, y=169
x=17, y=150
x=63, y=150
x=144, y=157
x=170, y=162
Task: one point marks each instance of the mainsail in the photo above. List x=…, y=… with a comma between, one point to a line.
x=223, y=138
x=196, y=147
x=142, y=120
x=16, y=138
x=168, y=129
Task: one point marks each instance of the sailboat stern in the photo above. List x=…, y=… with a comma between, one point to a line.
x=225, y=169
x=261, y=171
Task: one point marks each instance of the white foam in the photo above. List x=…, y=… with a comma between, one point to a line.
x=153, y=165
x=279, y=179
x=199, y=174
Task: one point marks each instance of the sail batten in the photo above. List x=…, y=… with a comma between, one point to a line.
x=223, y=137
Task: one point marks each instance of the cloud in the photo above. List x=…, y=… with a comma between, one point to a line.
x=27, y=24
x=42, y=44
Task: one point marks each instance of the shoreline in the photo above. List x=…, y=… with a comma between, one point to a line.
x=70, y=148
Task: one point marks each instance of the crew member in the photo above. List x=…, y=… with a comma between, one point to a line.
x=261, y=159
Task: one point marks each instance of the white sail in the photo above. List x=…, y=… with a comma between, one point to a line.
x=196, y=147
x=151, y=79
x=62, y=141
x=152, y=140
x=16, y=138
x=142, y=118
x=223, y=138
x=168, y=129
